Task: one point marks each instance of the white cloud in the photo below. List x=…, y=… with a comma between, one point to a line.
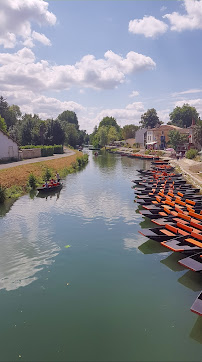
x=149, y=26
x=134, y=94
x=20, y=70
x=16, y=18
x=130, y=114
x=189, y=91
x=189, y=21
x=192, y=102
x=41, y=38
x=163, y=8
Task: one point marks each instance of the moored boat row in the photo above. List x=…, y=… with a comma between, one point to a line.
x=175, y=208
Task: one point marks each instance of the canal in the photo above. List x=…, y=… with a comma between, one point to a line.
x=79, y=283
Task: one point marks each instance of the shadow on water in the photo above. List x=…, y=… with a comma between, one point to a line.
x=191, y=280
x=196, y=332
x=5, y=207
x=152, y=247
x=49, y=194
x=172, y=262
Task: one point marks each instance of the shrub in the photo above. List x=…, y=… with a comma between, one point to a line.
x=58, y=149
x=191, y=153
x=47, y=174
x=2, y=194
x=47, y=151
x=32, y=181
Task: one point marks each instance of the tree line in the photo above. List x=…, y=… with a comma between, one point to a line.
x=29, y=129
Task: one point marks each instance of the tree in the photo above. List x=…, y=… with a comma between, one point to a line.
x=69, y=117
x=109, y=122
x=177, y=139
x=102, y=136
x=3, y=124
x=150, y=119
x=112, y=135
x=55, y=134
x=129, y=131
x=197, y=134
x=10, y=114
x=183, y=116
x=71, y=135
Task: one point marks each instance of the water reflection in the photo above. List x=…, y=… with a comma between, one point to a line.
x=196, y=332
x=172, y=262
x=191, y=280
x=5, y=207
x=26, y=245
x=152, y=247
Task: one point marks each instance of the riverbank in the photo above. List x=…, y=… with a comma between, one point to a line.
x=191, y=170
x=15, y=179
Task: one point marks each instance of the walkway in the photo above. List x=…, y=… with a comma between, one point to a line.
x=190, y=169
x=67, y=152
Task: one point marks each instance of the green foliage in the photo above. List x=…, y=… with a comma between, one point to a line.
x=150, y=119
x=177, y=139
x=32, y=181
x=54, y=133
x=197, y=134
x=191, y=153
x=183, y=116
x=3, y=124
x=109, y=122
x=113, y=135
x=71, y=135
x=58, y=149
x=47, y=174
x=69, y=117
x=102, y=136
x=129, y=131
x=47, y=151
x=2, y=194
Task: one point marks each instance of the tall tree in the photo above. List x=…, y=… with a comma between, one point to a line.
x=71, y=135
x=129, y=131
x=183, y=116
x=102, y=136
x=150, y=119
x=109, y=122
x=69, y=117
x=113, y=135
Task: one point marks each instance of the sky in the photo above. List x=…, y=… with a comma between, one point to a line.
x=101, y=57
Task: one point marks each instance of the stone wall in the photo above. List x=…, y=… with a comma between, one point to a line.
x=31, y=153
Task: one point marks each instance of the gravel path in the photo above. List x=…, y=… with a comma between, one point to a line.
x=67, y=152
x=190, y=169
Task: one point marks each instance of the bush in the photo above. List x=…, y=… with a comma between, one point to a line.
x=191, y=154
x=2, y=194
x=32, y=181
x=47, y=151
x=47, y=174
x=58, y=149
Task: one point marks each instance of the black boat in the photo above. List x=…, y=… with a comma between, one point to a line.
x=50, y=188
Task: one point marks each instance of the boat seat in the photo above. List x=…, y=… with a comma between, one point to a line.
x=167, y=232
x=194, y=242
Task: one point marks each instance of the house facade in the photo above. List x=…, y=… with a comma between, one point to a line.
x=159, y=137
x=9, y=149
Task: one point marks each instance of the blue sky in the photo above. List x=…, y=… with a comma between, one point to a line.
x=99, y=58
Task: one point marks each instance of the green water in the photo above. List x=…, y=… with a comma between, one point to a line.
x=111, y=296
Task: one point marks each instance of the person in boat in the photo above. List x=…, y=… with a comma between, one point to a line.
x=46, y=184
x=57, y=177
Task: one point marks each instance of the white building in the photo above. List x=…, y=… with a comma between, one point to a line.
x=9, y=149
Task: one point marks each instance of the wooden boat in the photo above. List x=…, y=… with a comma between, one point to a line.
x=197, y=305
x=51, y=188
x=193, y=262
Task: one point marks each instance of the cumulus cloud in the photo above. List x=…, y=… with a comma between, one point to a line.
x=149, y=26
x=20, y=70
x=134, y=94
x=130, y=114
x=192, y=102
x=192, y=19
x=16, y=19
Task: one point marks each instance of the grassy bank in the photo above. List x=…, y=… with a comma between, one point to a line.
x=15, y=179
